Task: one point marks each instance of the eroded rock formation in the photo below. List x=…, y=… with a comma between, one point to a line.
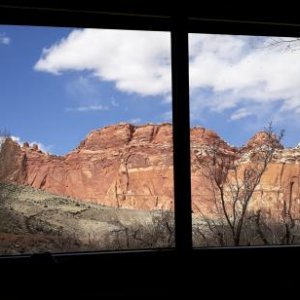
x=132, y=167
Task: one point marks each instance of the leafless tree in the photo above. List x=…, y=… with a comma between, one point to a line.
x=232, y=183
x=284, y=230
x=4, y=134
x=284, y=44
x=159, y=232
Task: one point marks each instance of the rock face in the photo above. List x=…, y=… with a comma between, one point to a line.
x=132, y=167
x=121, y=166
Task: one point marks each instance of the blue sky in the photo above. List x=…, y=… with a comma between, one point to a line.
x=58, y=84
x=59, y=110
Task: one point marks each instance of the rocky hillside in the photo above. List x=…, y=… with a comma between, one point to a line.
x=32, y=221
x=131, y=167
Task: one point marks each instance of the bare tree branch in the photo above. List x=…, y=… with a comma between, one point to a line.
x=233, y=184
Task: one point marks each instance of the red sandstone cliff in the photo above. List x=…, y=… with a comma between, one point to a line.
x=121, y=165
x=131, y=166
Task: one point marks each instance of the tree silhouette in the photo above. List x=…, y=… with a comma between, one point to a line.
x=232, y=183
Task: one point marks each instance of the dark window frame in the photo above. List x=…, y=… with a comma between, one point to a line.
x=179, y=25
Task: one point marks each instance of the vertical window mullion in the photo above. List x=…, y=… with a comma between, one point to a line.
x=181, y=137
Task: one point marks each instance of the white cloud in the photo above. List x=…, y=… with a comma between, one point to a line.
x=135, y=120
x=4, y=40
x=82, y=86
x=41, y=146
x=136, y=61
x=240, y=114
x=226, y=72
x=44, y=148
x=88, y=108
x=240, y=72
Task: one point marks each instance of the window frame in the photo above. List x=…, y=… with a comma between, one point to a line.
x=179, y=26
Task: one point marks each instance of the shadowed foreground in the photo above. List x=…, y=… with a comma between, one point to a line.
x=33, y=221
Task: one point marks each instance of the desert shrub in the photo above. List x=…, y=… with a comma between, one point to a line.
x=258, y=230
x=159, y=232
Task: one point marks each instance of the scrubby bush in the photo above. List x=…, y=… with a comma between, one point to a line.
x=159, y=232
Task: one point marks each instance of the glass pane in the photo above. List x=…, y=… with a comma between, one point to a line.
x=245, y=105
x=86, y=140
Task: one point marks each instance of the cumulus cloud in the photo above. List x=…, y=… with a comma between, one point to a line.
x=227, y=73
x=4, y=40
x=241, y=72
x=88, y=108
x=136, y=61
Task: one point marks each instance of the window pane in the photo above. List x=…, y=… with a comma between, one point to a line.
x=244, y=99
x=86, y=140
